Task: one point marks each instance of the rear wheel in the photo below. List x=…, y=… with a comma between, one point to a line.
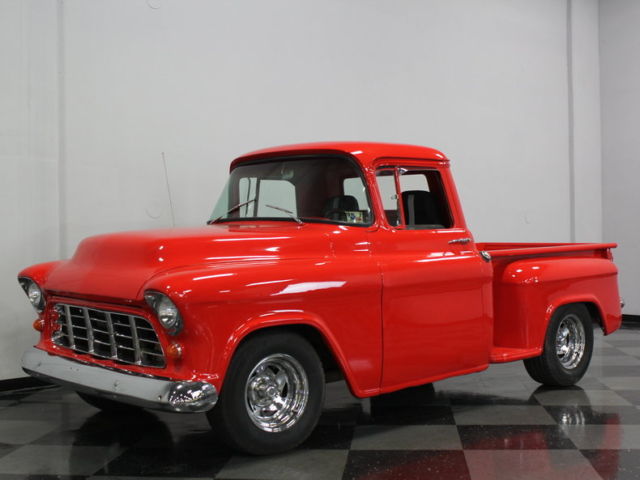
x=567, y=348
x=272, y=395
x=106, y=404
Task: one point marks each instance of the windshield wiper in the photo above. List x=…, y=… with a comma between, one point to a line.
x=240, y=205
x=231, y=210
x=288, y=212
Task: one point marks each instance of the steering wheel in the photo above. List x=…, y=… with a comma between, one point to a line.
x=329, y=213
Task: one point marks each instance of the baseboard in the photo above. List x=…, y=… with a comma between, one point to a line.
x=21, y=383
x=633, y=319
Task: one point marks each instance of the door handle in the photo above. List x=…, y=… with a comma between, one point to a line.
x=460, y=241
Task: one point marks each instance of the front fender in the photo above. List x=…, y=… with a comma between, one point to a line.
x=40, y=272
x=290, y=319
x=221, y=304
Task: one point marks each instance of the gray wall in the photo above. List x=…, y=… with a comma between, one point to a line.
x=98, y=90
x=620, y=76
x=29, y=163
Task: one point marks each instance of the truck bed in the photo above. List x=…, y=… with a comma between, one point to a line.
x=531, y=279
x=496, y=249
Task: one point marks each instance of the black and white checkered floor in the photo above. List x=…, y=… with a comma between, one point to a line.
x=497, y=424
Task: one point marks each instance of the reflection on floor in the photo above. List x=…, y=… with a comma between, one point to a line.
x=498, y=424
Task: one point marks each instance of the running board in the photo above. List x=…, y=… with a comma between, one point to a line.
x=505, y=354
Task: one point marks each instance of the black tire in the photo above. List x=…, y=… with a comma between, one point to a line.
x=108, y=405
x=549, y=368
x=231, y=417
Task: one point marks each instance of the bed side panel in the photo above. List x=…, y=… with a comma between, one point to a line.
x=528, y=291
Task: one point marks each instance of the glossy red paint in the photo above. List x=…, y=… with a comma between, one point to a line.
x=366, y=153
x=528, y=288
x=396, y=307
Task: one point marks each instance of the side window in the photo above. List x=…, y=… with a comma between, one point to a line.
x=276, y=193
x=424, y=201
x=388, y=193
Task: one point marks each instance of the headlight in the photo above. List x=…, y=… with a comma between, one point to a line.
x=34, y=293
x=167, y=313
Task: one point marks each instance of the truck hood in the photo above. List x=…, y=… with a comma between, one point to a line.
x=118, y=265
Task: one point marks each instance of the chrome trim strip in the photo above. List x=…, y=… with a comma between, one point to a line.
x=87, y=322
x=460, y=241
x=70, y=335
x=486, y=256
x=136, y=341
x=174, y=396
x=112, y=337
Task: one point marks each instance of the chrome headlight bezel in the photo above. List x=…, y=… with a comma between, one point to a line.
x=34, y=293
x=165, y=310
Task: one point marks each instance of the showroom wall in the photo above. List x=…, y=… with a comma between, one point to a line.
x=29, y=163
x=620, y=74
x=205, y=81
x=101, y=92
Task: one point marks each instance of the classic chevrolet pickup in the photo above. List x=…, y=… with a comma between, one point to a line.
x=320, y=261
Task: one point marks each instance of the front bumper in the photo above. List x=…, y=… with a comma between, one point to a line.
x=134, y=389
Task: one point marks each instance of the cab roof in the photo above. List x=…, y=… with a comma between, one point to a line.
x=365, y=152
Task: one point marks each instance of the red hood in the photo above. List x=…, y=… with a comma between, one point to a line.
x=117, y=265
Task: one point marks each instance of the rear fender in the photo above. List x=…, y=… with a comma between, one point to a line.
x=590, y=301
x=529, y=291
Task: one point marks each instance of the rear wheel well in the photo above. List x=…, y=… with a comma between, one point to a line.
x=595, y=314
x=592, y=308
x=330, y=366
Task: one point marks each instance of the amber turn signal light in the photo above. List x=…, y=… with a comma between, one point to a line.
x=174, y=351
x=38, y=324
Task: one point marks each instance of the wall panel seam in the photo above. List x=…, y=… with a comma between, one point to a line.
x=62, y=141
x=571, y=124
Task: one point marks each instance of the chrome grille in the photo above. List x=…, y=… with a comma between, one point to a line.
x=114, y=335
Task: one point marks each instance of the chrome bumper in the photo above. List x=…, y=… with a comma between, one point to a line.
x=148, y=392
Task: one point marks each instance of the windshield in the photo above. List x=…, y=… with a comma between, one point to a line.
x=318, y=189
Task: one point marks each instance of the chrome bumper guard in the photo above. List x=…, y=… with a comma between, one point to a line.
x=134, y=389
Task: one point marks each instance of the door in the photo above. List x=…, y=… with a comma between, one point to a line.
x=436, y=287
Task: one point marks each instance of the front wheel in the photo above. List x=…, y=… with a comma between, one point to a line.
x=567, y=348
x=272, y=395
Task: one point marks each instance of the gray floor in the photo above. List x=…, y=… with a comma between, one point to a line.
x=492, y=425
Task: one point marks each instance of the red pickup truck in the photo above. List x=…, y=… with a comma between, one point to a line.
x=320, y=261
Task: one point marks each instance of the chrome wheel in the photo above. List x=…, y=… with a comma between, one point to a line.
x=277, y=391
x=570, y=341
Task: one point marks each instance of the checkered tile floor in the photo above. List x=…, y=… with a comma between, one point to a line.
x=497, y=424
